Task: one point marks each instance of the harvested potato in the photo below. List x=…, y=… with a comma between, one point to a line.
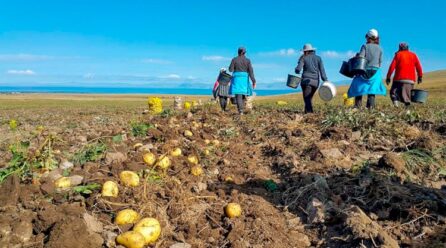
x=137, y=145
x=163, y=162
x=216, y=142
x=150, y=228
x=192, y=159
x=126, y=216
x=233, y=210
x=110, y=189
x=188, y=133
x=206, y=152
x=176, y=152
x=129, y=178
x=149, y=158
x=196, y=170
x=63, y=183
x=229, y=179
x=131, y=239
x=207, y=142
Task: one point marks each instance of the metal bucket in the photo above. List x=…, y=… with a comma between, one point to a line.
x=357, y=65
x=224, y=78
x=345, y=70
x=419, y=96
x=293, y=81
x=327, y=91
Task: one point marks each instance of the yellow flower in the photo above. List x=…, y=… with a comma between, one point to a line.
x=13, y=124
x=155, y=105
x=187, y=105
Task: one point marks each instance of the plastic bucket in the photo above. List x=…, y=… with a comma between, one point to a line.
x=224, y=78
x=327, y=91
x=345, y=70
x=419, y=96
x=357, y=65
x=293, y=81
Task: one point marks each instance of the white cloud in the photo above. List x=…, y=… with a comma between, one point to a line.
x=337, y=55
x=21, y=72
x=288, y=52
x=171, y=76
x=215, y=58
x=156, y=61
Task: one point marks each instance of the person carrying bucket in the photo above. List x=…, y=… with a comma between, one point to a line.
x=221, y=88
x=313, y=70
x=242, y=72
x=406, y=66
x=370, y=83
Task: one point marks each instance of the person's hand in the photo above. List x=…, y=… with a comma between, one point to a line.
x=387, y=81
x=253, y=85
x=420, y=80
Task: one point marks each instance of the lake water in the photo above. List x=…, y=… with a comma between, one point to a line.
x=106, y=90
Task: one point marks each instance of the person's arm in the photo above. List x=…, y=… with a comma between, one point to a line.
x=418, y=68
x=362, y=52
x=251, y=73
x=300, y=65
x=322, y=70
x=231, y=66
x=380, y=57
x=391, y=69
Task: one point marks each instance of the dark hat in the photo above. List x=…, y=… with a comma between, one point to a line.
x=404, y=46
x=241, y=50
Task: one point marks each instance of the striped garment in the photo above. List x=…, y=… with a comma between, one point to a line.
x=223, y=89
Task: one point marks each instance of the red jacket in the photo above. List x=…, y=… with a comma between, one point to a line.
x=404, y=64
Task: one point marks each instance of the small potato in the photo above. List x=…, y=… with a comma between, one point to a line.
x=150, y=228
x=131, y=239
x=192, y=159
x=110, y=189
x=126, y=216
x=188, y=133
x=233, y=210
x=176, y=152
x=129, y=178
x=63, y=183
x=206, y=152
x=164, y=162
x=149, y=158
x=216, y=142
x=196, y=170
x=137, y=145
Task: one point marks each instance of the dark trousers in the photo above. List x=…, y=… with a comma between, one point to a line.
x=370, y=101
x=308, y=93
x=401, y=92
x=239, y=99
x=223, y=102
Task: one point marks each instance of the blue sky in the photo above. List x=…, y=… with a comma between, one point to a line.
x=184, y=43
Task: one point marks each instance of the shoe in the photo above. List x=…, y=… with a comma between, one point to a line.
x=396, y=104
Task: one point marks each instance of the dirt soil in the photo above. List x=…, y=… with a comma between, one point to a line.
x=300, y=182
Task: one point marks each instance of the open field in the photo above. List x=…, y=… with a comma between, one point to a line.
x=337, y=178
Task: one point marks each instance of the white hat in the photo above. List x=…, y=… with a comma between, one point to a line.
x=308, y=47
x=372, y=33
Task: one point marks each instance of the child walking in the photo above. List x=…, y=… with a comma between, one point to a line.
x=221, y=88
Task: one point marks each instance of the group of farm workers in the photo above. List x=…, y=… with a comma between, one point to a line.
x=405, y=65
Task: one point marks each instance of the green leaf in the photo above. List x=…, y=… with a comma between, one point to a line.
x=117, y=138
